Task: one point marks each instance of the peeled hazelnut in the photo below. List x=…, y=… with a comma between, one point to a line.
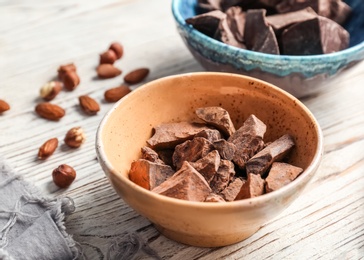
x=64, y=69
x=75, y=137
x=117, y=48
x=108, y=56
x=71, y=80
x=63, y=175
x=4, y=106
x=50, y=90
x=114, y=94
x=48, y=148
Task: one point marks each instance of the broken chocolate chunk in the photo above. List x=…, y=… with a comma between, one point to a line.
x=207, y=165
x=191, y=151
x=253, y=187
x=166, y=156
x=168, y=135
x=313, y=37
x=258, y=34
x=149, y=174
x=276, y=151
x=150, y=155
x=207, y=23
x=210, y=134
x=185, y=184
x=225, y=35
x=280, y=175
x=224, y=174
x=248, y=139
x=213, y=197
x=225, y=149
x=339, y=11
x=235, y=18
x=232, y=190
x=217, y=117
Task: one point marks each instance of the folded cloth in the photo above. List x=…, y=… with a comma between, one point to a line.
x=32, y=226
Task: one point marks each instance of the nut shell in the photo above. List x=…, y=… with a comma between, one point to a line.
x=63, y=175
x=48, y=148
x=50, y=111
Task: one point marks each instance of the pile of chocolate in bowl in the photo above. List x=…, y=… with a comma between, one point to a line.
x=288, y=27
x=211, y=161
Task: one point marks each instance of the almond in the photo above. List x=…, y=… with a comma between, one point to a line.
x=50, y=90
x=117, y=48
x=106, y=71
x=89, y=105
x=136, y=76
x=48, y=148
x=49, y=111
x=4, y=106
x=108, y=57
x=114, y=94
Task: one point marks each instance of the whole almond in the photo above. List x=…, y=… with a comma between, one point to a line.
x=64, y=69
x=50, y=90
x=48, y=148
x=108, y=57
x=49, y=111
x=136, y=76
x=106, y=71
x=89, y=105
x=71, y=80
x=4, y=106
x=75, y=137
x=117, y=48
x=114, y=94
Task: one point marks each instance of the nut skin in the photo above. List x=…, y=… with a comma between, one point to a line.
x=50, y=111
x=108, y=57
x=136, y=76
x=89, y=105
x=47, y=149
x=71, y=80
x=117, y=48
x=63, y=175
x=50, y=90
x=64, y=69
x=114, y=94
x=106, y=71
x=75, y=137
x=4, y=106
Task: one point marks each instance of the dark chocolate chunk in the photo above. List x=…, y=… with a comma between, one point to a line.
x=185, y=184
x=276, y=151
x=224, y=175
x=280, y=175
x=248, y=139
x=149, y=174
x=207, y=165
x=258, y=34
x=150, y=155
x=270, y=3
x=213, y=197
x=207, y=23
x=235, y=18
x=225, y=149
x=225, y=35
x=314, y=36
x=210, y=134
x=232, y=190
x=166, y=156
x=210, y=4
x=339, y=11
x=253, y=187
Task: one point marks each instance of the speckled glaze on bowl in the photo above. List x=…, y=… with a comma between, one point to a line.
x=127, y=126
x=299, y=75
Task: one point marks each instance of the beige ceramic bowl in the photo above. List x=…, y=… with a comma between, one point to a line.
x=125, y=129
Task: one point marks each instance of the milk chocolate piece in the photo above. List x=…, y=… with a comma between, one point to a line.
x=150, y=155
x=253, y=187
x=258, y=34
x=248, y=139
x=207, y=23
x=210, y=4
x=210, y=134
x=339, y=11
x=207, y=165
x=185, y=184
x=235, y=18
x=191, y=151
x=232, y=190
x=224, y=174
x=168, y=135
x=217, y=117
x=276, y=151
x=149, y=174
x=213, y=197
x=225, y=149
x=166, y=156
x=225, y=35
x=280, y=175
x=270, y=3
x=314, y=36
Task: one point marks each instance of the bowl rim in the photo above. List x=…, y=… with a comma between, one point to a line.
x=101, y=155
x=340, y=55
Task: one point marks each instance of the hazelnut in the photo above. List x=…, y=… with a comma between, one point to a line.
x=64, y=69
x=108, y=56
x=63, y=175
x=50, y=90
x=71, y=80
x=117, y=48
x=75, y=137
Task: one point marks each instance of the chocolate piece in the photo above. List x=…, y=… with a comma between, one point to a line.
x=207, y=23
x=233, y=189
x=339, y=11
x=191, y=151
x=223, y=176
x=185, y=184
x=166, y=156
x=225, y=149
x=280, y=175
x=148, y=174
x=150, y=155
x=258, y=34
x=213, y=197
x=248, y=139
x=210, y=4
x=225, y=35
x=276, y=151
x=313, y=37
x=207, y=165
x=210, y=134
x=217, y=117
x=168, y=135
x=270, y=3
x=235, y=18
x=253, y=187
x=286, y=6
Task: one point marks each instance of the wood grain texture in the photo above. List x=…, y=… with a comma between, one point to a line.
x=326, y=222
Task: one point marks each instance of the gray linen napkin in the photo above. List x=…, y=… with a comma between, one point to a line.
x=31, y=226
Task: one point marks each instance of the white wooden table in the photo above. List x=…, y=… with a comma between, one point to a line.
x=36, y=36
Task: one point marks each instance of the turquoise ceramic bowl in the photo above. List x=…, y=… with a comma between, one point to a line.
x=299, y=75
